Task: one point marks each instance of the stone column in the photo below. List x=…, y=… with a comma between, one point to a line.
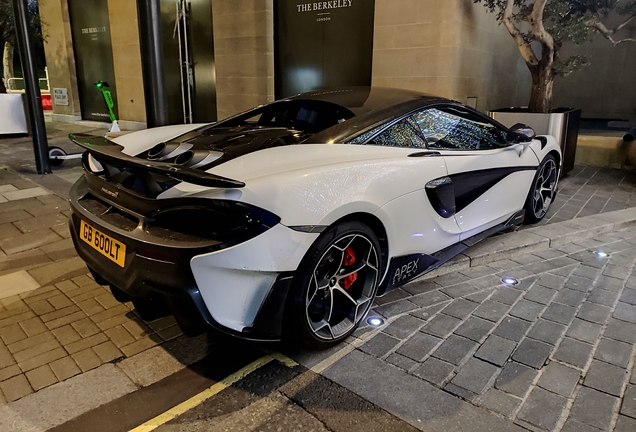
x=124, y=35
x=60, y=58
x=244, y=54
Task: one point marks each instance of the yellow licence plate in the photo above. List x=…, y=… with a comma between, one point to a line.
x=104, y=244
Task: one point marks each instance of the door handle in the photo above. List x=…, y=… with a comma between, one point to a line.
x=425, y=154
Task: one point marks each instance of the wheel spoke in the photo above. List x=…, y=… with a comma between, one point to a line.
x=311, y=300
x=539, y=203
x=343, y=273
x=330, y=306
x=319, y=286
x=342, y=249
x=343, y=292
x=361, y=302
x=317, y=326
x=548, y=201
x=341, y=328
x=548, y=181
x=369, y=260
x=324, y=283
x=546, y=174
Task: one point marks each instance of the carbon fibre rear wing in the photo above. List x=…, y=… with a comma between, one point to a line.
x=105, y=150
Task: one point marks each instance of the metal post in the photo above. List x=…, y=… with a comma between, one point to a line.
x=149, y=15
x=32, y=87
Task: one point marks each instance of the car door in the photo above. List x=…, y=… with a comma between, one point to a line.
x=412, y=221
x=490, y=177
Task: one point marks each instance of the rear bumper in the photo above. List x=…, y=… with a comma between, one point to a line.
x=239, y=290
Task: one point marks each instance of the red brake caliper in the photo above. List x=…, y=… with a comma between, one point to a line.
x=348, y=260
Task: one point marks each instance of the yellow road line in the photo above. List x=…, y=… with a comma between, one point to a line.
x=204, y=395
x=281, y=358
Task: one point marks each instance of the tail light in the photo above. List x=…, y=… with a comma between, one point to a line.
x=216, y=220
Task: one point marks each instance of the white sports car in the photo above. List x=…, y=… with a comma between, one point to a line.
x=289, y=219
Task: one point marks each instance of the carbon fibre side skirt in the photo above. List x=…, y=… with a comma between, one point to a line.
x=404, y=269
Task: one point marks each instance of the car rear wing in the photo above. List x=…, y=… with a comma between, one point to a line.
x=105, y=150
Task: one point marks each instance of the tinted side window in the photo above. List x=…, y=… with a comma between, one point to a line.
x=402, y=134
x=306, y=116
x=444, y=130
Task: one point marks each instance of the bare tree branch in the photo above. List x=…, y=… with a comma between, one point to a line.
x=624, y=23
x=607, y=33
x=536, y=25
x=524, y=47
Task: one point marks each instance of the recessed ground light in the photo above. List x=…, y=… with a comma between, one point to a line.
x=601, y=254
x=510, y=281
x=375, y=321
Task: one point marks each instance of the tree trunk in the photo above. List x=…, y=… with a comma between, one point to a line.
x=7, y=65
x=542, y=83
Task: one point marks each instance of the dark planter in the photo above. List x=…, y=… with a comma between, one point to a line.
x=561, y=123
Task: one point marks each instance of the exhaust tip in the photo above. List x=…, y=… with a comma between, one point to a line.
x=184, y=158
x=156, y=151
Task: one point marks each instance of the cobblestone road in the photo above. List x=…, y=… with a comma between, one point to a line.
x=555, y=352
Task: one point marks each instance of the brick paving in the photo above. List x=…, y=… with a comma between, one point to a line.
x=555, y=352
x=588, y=190
x=55, y=321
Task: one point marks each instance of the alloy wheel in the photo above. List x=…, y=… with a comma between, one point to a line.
x=342, y=287
x=544, y=187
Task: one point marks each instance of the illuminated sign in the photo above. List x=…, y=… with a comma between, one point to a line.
x=325, y=5
x=322, y=7
x=91, y=30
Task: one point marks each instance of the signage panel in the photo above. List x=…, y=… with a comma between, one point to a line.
x=60, y=96
x=93, y=55
x=322, y=44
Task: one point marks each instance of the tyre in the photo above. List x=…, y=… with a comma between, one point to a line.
x=542, y=191
x=334, y=286
x=56, y=152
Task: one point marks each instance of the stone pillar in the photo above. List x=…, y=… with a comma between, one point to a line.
x=244, y=54
x=60, y=58
x=124, y=34
x=449, y=48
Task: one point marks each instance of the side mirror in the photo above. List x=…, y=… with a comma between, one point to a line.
x=520, y=133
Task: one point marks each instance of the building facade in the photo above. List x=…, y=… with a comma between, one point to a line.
x=243, y=53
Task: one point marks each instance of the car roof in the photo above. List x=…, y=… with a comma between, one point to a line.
x=371, y=106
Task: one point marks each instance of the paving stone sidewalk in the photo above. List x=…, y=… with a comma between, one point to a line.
x=553, y=353
x=588, y=190
x=55, y=321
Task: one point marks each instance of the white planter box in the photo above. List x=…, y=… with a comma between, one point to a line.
x=12, y=118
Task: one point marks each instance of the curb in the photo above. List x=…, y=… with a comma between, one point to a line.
x=535, y=239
